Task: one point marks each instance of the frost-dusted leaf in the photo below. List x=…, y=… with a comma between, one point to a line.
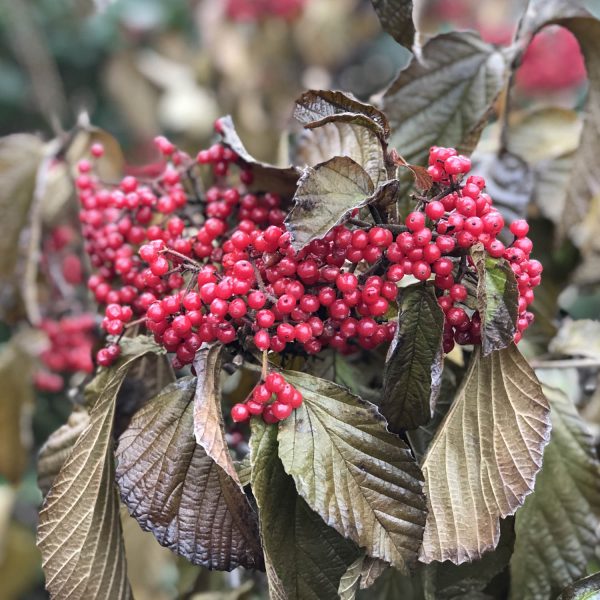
x=497, y=300
x=558, y=527
x=308, y=557
x=20, y=156
x=444, y=97
x=579, y=337
x=360, y=478
x=338, y=138
x=281, y=180
x=413, y=370
x=325, y=195
x=209, y=429
x=316, y=107
x=397, y=20
x=79, y=533
x=176, y=491
x=484, y=457
x=58, y=446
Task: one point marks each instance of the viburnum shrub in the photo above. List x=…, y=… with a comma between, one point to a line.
x=314, y=370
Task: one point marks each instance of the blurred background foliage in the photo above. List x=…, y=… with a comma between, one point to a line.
x=139, y=68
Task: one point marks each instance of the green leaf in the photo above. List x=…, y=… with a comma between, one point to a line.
x=317, y=107
x=280, y=180
x=325, y=195
x=360, y=478
x=54, y=453
x=176, y=491
x=79, y=533
x=413, y=371
x=497, y=300
x=396, y=19
x=485, y=455
x=587, y=588
x=579, y=337
x=308, y=557
x=339, y=138
x=557, y=528
x=209, y=429
x=576, y=16
x=20, y=157
x=445, y=97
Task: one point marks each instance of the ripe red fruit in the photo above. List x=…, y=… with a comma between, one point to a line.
x=435, y=210
x=415, y=221
x=240, y=413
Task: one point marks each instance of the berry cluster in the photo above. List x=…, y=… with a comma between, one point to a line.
x=217, y=265
x=274, y=399
x=256, y=10
x=69, y=350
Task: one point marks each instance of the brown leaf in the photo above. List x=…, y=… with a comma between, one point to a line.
x=397, y=20
x=484, y=457
x=423, y=180
x=176, y=491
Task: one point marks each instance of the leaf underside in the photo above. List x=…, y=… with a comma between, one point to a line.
x=484, y=457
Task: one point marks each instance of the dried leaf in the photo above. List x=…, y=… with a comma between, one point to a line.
x=557, y=528
x=360, y=478
x=79, y=533
x=587, y=588
x=497, y=300
x=413, y=370
x=308, y=557
x=444, y=97
x=484, y=458
x=176, y=491
x=579, y=337
x=351, y=579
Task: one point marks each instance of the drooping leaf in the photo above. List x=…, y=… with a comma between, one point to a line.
x=396, y=19
x=315, y=107
x=244, y=470
x=580, y=337
x=444, y=97
x=497, y=300
x=58, y=446
x=325, y=195
x=576, y=16
x=372, y=569
x=281, y=180
x=351, y=579
x=308, y=557
x=558, y=527
x=341, y=138
x=176, y=491
x=422, y=179
x=209, y=429
x=485, y=455
x=20, y=156
x=79, y=533
x=360, y=478
x=413, y=370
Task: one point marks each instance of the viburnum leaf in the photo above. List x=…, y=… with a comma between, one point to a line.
x=58, y=446
x=351, y=579
x=397, y=20
x=558, y=526
x=444, y=97
x=325, y=195
x=497, y=300
x=359, y=477
x=308, y=557
x=577, y=337
x=413, y=370
x=575, y=15
x=484, y=457
x=209, y=429
x=280, y=180
x=176, y=491
x=20, y=156
x=79, y=533
x=317, y=107
x=341, y=138
x=584, y=589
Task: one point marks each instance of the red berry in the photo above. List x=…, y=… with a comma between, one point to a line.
x=240, y=413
